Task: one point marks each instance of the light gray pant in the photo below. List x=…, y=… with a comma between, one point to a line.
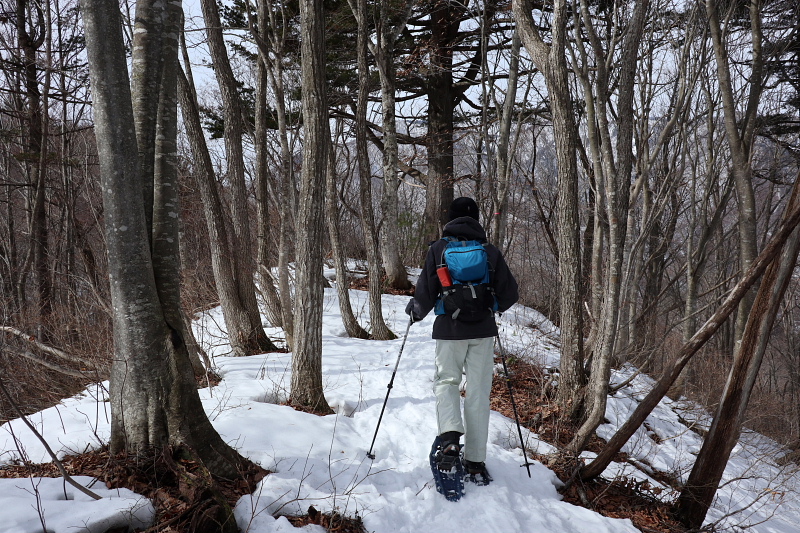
x=476, y=357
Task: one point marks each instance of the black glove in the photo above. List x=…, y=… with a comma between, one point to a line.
x=410, y=311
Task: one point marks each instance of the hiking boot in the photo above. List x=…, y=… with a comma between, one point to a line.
x=448, y=451
x=448, y=456
x=477, y=473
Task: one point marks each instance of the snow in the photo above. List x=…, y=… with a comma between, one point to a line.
x=322, y=461
x=66, y=510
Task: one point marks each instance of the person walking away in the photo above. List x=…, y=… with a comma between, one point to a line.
x=464, y=331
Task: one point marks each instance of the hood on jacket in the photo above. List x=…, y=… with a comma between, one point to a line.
x=464, y=227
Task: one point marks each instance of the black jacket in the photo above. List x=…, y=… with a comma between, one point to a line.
x=428, y=286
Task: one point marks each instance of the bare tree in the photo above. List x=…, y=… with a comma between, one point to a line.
x=236, y=319
x=32, y=32
x=770, y=251
x=252, y=337
x=332, y=216
x=307, y=355
x=389, y=24
x=550, y=59
x=698, y=492
x=271, y=40
x=380, y=331
x=501, y=191
x=154, y=398
x=740, y=131
x=617, y=176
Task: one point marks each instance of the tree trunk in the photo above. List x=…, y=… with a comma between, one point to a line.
x=166, y=209
x=254, y=339
x=740, y=141
x=380, y=331
x=264, y=252
x=154, y=399
x=396, y=274
x=349, y=321
x=441, y=103
x=236, y=318
x=307, y=355
x=270, y=39
x=500, y=216
x=551, y=60
x=617, y=181
x=698, y=492
x=773, y=248
x=29, y=42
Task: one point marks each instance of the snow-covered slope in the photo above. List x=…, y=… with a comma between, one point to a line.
x=321, y=461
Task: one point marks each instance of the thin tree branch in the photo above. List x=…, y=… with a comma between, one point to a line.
x=45, y=348
x=58, y=463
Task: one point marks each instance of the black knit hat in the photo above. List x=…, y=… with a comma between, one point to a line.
x=463, y=207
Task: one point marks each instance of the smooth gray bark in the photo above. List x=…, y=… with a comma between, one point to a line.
x=154, y=399
x=551, y=60
x=236, y=319
x=504, y=158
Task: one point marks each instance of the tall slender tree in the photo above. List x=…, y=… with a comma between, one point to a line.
x=550, y=58
x=250, y=335
x=307, y=355
x=389, y=23
x=380, y=331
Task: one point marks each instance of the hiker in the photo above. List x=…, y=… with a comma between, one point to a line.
x=464, y=338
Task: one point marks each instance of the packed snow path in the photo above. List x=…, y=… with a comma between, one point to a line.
x=322, y=461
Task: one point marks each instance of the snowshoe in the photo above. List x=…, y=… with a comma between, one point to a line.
x=447, y=469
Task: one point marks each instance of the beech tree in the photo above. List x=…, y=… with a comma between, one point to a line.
x=271, y=39
x=551, y=59
x=249, y=335
x=154, y=399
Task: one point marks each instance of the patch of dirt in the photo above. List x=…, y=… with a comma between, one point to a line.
x=361, y=283
x=308, y=409
x=209, y=379
x=331, y=522
x=537, y=411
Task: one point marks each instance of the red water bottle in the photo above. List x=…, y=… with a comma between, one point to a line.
x=444, y=276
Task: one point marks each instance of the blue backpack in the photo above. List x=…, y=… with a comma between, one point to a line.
x=467, y=294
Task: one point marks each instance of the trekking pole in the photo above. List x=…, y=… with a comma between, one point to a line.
x=527, y=464
x=389, y=388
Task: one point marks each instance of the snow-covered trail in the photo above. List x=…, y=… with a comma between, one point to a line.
x=322, y=461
